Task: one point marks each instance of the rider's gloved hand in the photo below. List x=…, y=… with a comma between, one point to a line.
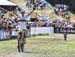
x=33, y=8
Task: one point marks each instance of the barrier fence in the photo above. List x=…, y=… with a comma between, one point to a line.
x=42, y=30
x=33, y=31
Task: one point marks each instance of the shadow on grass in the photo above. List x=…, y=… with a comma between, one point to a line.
x=47, y=39
x=31, y=52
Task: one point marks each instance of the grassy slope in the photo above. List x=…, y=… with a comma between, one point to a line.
x=48, y=12
x=20, y=3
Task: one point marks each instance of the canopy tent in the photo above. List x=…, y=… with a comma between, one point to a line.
x=47, y=3
x=6, y=3
x=41, y=3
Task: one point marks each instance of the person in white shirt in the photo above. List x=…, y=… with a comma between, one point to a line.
x=21, y=27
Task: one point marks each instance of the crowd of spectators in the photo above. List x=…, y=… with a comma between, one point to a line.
x=40, y=4
x=6, y=26
x=41, y=24
x=7, y=23
x=59, y=25
x=61, y=9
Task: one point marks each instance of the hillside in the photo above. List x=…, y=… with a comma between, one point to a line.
x=20, y=3
x=50, y=13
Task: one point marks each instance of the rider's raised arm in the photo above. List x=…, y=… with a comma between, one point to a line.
x=32, y=11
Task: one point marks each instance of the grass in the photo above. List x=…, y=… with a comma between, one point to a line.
x=50, y=13
x=41, y=46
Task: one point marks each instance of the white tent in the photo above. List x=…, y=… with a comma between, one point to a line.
x=47, y=3
x=6, y=3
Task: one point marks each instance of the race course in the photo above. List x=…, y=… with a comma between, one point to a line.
x=41, y=46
